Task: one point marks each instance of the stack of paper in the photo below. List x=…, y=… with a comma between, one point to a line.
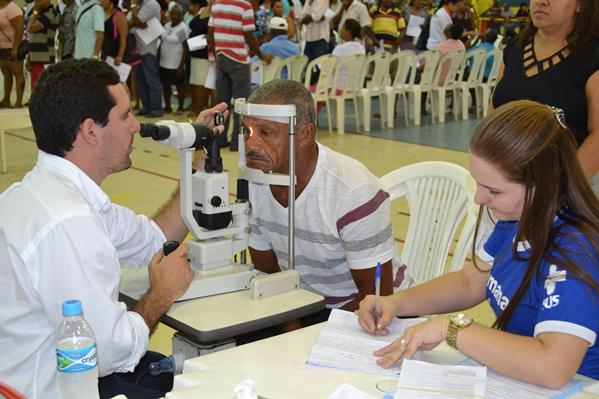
x=344, y=345
x=421, y=380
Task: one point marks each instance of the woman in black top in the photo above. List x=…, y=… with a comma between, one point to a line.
x=555, y=61
x=199, y=64
x=116, y=29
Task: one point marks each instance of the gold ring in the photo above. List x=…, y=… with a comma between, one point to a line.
x=403, y=343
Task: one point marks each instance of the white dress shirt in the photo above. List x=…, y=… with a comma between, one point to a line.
x=62, y=238
x=439, y=22
x=319, y=28
x=358, y=11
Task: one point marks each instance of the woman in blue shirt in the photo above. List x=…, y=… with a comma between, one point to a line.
x=539, y=268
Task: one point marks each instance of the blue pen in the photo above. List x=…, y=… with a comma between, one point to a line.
x=377, y=295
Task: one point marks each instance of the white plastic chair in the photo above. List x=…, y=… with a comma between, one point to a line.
x=415, y=90
x=326, y=64
x=487, y=87
x=375, y=87
x=440, y=196
x=298, y=65
x=402, y=61
x=271, y=70
x=347, y=83
x=11, y=119
x=474, y=63
x=445, y=80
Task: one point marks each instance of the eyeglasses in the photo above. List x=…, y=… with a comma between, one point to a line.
x=560, y=116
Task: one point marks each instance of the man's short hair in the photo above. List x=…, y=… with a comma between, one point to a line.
x=287, y=92
x=490, y=36
x=66, y=94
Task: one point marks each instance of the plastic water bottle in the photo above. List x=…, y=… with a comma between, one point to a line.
x=76, y=354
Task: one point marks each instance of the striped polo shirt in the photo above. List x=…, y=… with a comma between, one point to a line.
x=343, y=223
x=387, y=24
x=41, y=44
x=229, y=19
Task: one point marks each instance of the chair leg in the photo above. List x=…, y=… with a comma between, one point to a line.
x=340, y=108
x=328, y=109
x=356, y=102
x=390, y=105
x=366, y=107
x=382, y=99
x=465, y=94
x=485, y=100
x=416, y=96
x=405, y=108
x=3, y=150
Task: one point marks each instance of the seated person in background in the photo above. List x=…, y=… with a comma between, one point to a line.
x=62, y=238
x=278, y=11
x=343, y=218
x=539, y=268
x=488, y=40
x=452, y=44
x=351, y=35
x=280, y=45
x=523, y=11
x=388, y=24
x=507, y=14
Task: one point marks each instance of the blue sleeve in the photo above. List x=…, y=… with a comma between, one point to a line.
x=567, y=304
x=495, y=241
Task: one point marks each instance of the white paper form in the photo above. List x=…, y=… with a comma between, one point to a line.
x=344, y=345
x=414, y=25
x=123, y=69
x=152, y=32
x=197, y=42
x=329, y=14
x=347, y=391
x=421, y=380
x=502, y=387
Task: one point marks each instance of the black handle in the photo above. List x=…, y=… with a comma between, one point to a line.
x=169, y=247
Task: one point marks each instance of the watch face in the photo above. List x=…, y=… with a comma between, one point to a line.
x=461, y=320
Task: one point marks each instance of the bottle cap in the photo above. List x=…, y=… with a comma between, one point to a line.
x=71, y=307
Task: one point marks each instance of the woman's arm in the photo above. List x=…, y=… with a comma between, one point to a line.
x=589, y=150
x=123, y=28
x=18, y=25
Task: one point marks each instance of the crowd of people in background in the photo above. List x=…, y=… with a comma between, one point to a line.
x=236, y=30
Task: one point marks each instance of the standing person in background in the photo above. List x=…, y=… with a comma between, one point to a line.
x=419, y=9
x=466, y=18
x=231, y=37
x=89, y=30
x=355, y=9
x=11, y=35
x=318, y=34
x=555, y=61
x=277, y=11
x=260, y=20
x=66, y=30
x=42, y=30
x=146, y=74
x=199, y=64
x=388, y=24
x=173, y=57
x=116, y=29
x=439, y=22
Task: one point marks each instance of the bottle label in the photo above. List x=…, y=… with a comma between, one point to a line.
x=77, y=360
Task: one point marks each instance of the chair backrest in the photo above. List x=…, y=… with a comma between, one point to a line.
x=430, y=60
x=257, y=70
x=298, y=65
x=399, y=68
x=448, y=67
x=439, y=195
x=474, y=64
x=326, y=66
x=272, y=71
x=348, y=75
x=380, y=71
x=497, y=60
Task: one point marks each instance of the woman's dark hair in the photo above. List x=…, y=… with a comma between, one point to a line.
x=490, y=36
x=525, y=140
x=66, y=94
x=456, y=31
x=353, y=27
x=115, y=3
x=585, y=31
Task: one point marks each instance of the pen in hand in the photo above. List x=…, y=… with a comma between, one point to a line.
x=377, y=296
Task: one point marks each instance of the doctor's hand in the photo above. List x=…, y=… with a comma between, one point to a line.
x=206, y=117
x=388, y=309
x=424, y=336
x=170, y=275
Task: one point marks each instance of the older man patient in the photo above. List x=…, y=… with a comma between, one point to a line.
x=343, y=225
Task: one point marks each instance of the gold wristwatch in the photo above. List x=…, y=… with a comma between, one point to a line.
x=457, y=322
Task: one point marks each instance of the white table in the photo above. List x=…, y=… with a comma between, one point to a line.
x=277, y=367
x=224, y=316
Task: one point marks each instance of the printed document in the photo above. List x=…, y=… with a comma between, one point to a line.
x=343, y=345
x=151, y=32
x=123, y=69
x=347, y=391
x=414, y=25
x=502, y=387
x=421, y=380
x=197, y=42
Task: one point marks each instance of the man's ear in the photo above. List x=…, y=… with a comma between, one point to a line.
x=87, y=132
x=305, y=134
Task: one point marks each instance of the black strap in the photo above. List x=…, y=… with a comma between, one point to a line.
x=84, y=11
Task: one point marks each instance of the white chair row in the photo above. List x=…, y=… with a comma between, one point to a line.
x=289, y=68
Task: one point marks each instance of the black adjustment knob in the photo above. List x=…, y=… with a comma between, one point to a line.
x=169, y=247
x=216, y=201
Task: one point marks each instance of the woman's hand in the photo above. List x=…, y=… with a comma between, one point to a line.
x=387, y=310
x=423, y=336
